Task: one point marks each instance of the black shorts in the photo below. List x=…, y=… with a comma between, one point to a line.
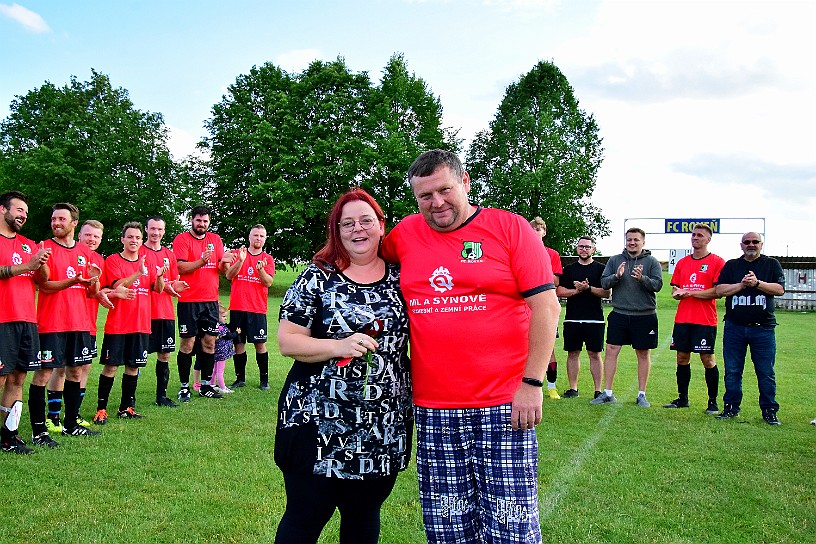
x=691, y=338
x=19, y=347
x=197, y=318
x=578, y=334
x=162, y=336
x=61, y=349
x=125, y=349
x=94, y=351
x=639, y=331
x=252, y=325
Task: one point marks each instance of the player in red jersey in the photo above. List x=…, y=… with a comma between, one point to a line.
x=127, y=328
x=162, y=312
x=251, y=274
x=62, y=320
x=21, y=264
x=540, y=227
x=200, y=255
x=483, y=315
x=695, y=325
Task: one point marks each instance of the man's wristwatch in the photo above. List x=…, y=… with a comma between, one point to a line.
x=532, y=381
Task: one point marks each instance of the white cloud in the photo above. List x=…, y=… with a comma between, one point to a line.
x=181, y=143
x=29, y=19
x=297, y=60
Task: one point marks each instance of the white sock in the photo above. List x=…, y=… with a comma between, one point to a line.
x=608, y=392
x=550, y=385
x=641, y=393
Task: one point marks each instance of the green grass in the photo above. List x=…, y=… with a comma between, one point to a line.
x=204, y=472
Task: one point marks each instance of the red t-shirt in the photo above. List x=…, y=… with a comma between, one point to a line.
x=129, y=316
x=465, y=292
x=555, y=261
x=247, y=293
x=92, y=303
x=697, y=275
x=65, y=310
x=203, y=281
x=161, y=304
x=17, y=293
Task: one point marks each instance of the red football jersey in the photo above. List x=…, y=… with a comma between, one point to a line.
x=247, y=293
x=17, y=294
x=697, y=275
x=65, y=310
x=466, y=291
x=203, y=281
x=161, y=304
x=92, y=303
x=555, y=261
x=129, y=316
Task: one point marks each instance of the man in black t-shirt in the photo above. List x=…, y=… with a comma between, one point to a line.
x=750, y=284
x=584, y=320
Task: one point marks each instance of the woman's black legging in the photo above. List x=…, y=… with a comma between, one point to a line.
x=311, y=500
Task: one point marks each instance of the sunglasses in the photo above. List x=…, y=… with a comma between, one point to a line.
x=751, y=242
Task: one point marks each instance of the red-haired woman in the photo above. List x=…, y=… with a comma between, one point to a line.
x=345, y=413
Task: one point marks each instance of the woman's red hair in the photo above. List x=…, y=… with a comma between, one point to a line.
x=333, y=253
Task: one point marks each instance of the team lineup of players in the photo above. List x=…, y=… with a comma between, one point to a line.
x=53, y=335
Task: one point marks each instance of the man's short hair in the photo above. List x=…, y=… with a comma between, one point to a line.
x=590, y=238
x=427, y=163
x=705, y=227
x=6, y=198
x=155, y=218
x=73, y=210
x=538, y=222
x=258, y=226
x=638, y=230
x=132, y=225
x=200, y=210
x=93, y=223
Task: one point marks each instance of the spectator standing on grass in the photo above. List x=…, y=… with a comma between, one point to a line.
x=584, y=319
x=63, y=323
x=344, y=413
x=695, y=324
x=540, y=227
x=200, y=255
x=634, y=277
x=21, y=264
x=128, y=326
x=483, y=319
x=251, y=273
x=162, y=312
x=224, y=349
x=750, y=284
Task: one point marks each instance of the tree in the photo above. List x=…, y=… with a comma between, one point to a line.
x=540, y=157
x=284, y=146
x=85, y=143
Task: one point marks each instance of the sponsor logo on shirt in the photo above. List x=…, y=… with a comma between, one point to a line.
x=81, y=261
x=26, y=248
x=441, y=280
x=703, y=267
x=16, y=259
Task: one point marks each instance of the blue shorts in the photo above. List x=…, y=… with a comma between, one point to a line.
x=478, y=478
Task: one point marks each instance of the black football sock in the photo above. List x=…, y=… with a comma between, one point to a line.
x=712, y=378
x=263, y=366
x=240, y=362
x=36, y=408
x=683, y=380
x=71, y=403
x=105, y=385
x=54, y=405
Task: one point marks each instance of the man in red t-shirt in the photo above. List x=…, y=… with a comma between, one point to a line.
x=540, y=227
x=127, y=327
x=695, y=325
x=162, y=312
x=483, y=316
x=251, y=274
x=200, y=255
x=21, y=263
x=63, y=322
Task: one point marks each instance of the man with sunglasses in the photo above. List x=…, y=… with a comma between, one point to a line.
x=750, y=284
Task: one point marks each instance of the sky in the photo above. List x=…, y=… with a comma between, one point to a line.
x=707, y=109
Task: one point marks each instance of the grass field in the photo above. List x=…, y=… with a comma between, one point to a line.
x=204, y=472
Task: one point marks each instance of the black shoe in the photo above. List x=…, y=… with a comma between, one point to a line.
x=570, y=394
x=167, y=403
x=45, y=440
x=677, y=403
x=712, y=407
x=264, y=386
x=79, y=430
x=238, y=383
x=16, y=445
x=729, y=412
x=596, y=395
x=207, y=391
x=770, y=417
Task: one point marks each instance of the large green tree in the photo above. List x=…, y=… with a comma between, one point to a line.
x=540, y=157
x=284, y=146
x=87, y=144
